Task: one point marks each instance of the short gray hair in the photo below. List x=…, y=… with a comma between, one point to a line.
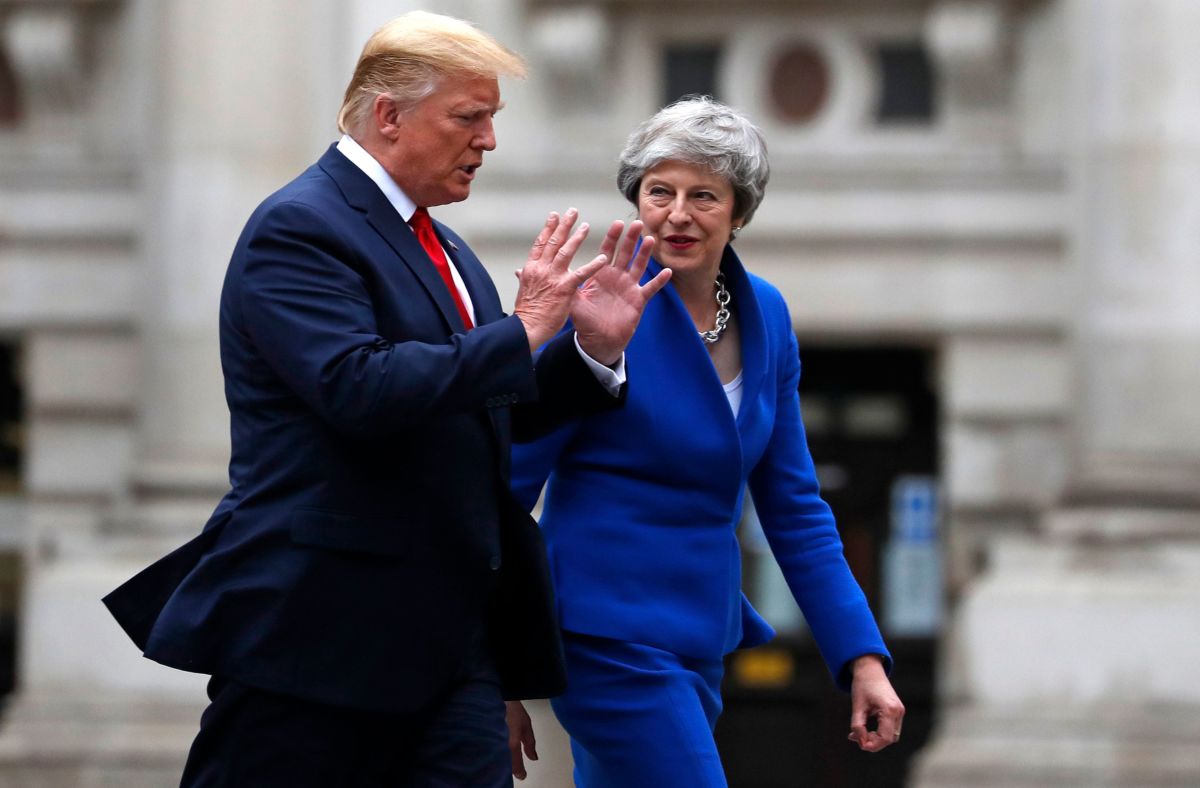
x=703, y=131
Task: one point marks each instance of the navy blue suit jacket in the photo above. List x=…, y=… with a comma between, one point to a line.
x=369, y=539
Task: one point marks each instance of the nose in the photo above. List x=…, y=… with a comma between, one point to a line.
x=679, y=214
x=485, y=138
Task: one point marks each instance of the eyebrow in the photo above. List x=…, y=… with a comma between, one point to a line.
x=658, y=179
x=477, y=108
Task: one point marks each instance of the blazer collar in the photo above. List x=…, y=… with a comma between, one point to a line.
x=362, y=194
x=753, y=329
x=751, y=324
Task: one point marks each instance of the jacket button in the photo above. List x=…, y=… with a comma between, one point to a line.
x=494, y=564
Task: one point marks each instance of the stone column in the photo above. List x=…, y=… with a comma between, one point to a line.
x=1078, y=646
x=235, y=109
x=240, y=97
x=236, y=117
x=1138, y=326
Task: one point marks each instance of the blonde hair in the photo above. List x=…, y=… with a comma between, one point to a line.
x=407, y=57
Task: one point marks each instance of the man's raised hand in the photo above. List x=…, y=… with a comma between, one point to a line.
x=548, y=285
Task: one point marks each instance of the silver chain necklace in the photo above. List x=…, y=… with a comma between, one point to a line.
x=710, y=337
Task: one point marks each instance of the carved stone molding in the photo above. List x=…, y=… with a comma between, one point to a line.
x=970, y=42
x=45, y=44
x=572, y=45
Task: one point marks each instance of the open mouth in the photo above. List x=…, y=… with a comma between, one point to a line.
x=680, y=241
x=469, y=169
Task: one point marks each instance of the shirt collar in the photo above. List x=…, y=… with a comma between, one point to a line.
x=359, y=157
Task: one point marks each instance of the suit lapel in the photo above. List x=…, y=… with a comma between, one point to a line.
x=475, y=277
x=754, y=339
x=688, y=357
x=674, y=345
x=487, y=309
x=363, y=195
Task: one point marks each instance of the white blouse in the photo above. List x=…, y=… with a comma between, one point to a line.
x=733, y=390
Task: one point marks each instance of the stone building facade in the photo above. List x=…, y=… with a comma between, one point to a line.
x=1007, y=187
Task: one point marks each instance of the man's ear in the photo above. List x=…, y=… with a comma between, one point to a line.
x=387, y=116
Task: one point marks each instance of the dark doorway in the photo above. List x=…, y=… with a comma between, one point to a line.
x=11, y=508
x=871, y=416
x=11, y=407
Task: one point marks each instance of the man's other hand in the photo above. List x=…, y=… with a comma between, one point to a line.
x=520, y=734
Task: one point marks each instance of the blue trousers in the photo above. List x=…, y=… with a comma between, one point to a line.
x=640, y=716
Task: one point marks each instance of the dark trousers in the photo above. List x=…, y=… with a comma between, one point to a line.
x=250, y=738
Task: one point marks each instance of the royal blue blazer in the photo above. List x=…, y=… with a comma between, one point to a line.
x=641, y=504
x=369, y=543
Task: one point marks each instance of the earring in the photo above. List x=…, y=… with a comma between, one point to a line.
x=733, y=231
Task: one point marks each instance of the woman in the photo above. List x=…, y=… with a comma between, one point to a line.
x=642, y=502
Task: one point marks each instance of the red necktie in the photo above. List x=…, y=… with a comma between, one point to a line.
x=422, y=225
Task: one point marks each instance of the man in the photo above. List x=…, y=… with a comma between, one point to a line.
x=368, y=592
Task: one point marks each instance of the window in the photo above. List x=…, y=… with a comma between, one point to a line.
x=906, y=81
x=690, y=69
x=9, y=104
x=799, y=83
